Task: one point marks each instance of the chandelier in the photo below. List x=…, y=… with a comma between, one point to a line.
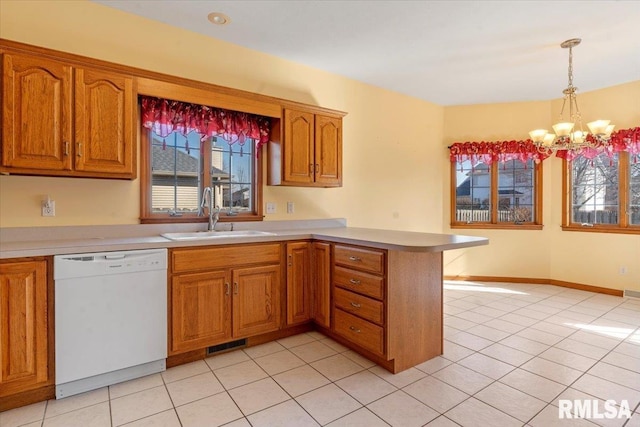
x=569, y=134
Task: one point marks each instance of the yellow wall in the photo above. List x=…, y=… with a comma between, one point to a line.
x=387, y=136
x=579, y=257
x=396, y=168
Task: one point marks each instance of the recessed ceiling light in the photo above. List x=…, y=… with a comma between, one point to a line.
x=218, y=18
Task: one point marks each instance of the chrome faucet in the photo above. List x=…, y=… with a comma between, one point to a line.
x=214, y=216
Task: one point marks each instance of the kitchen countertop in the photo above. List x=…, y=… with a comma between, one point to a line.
x=18, y=243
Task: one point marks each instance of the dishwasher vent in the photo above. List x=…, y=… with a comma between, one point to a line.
x=226, y=346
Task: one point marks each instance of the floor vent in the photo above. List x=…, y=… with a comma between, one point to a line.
x=631, y=294
x=226, y=346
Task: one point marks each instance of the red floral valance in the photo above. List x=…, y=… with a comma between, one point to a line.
x=623, y=140
x=488, y=152
x=163, y=116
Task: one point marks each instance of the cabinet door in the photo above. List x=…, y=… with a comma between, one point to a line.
x=200, y=310
x=256, y=296
x=321, y=272
x=298, y=282
x=328, y=151
x=298, y=147
x=23, y=326
x=36, y=113
x=104, y=113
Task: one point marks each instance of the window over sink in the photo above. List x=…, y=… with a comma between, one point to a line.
x=184, y=151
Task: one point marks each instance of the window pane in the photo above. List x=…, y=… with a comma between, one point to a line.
x=232, y=175
x=175, y=173
x=516, y=191
x=473, y=192
x=595, y=190
x=634, y=192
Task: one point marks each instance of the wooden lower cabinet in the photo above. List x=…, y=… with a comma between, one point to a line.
x=24, y=327
x=219, y=294
x=298, y=282
x=388, y=304
x=256, y=300
x=200, y=310
x=321, y=283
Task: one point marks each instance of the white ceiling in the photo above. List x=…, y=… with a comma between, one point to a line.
x=446, y=52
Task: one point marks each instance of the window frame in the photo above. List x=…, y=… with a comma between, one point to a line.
x=147, y=216
x=624, y=163
x=536, y=224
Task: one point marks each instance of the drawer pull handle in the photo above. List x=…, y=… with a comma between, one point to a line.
x=355, y=305
x=354, y=329
x=235, y=288
x=228, y=286
x=355, y=258
x=354, y=281
x=66, y=148
x=79, y=153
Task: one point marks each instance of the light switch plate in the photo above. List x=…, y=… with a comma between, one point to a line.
x=289, y=207
x=271, y=208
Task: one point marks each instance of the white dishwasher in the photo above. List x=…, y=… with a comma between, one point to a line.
x=110, y=318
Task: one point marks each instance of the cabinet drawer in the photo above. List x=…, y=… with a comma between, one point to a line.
x=364, y=307
x=362, y=283
x=360, y=332
x=222, y=257
x=362, y=259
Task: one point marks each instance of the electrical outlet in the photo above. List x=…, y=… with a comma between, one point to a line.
x=289, y=207
x=48, y=208
x=622, y=270
x=271, y=208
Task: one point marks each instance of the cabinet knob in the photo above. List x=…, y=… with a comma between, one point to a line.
x=354, y=281
x=354, y=329
x=355, y=258
x=355, y=305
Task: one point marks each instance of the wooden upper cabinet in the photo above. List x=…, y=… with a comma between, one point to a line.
x=36, y=113
x=23, y=327
x=104, y=112
x=62, y=120
x=328, y=151
x=298, y=146
x=309, y=151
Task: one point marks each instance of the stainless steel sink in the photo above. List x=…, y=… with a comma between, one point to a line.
x=200, y=235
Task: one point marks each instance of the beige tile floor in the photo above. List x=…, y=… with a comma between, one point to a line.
x=511, y=351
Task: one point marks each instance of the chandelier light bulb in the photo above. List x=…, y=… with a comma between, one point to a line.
x=563, y=129
x=598, y=127
x=538, y=135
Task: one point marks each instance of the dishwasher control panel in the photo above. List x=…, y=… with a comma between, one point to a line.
x=104, y=263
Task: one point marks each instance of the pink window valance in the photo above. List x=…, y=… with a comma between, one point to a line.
x=623, y=140
x=164, y=116
x=489, y=152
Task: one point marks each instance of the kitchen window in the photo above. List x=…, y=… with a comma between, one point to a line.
x=497, y=195
x=181, y=157
x=603, y=193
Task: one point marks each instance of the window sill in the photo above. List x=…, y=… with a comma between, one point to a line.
x=602, y=229
x=489, y=226
x=197, y=219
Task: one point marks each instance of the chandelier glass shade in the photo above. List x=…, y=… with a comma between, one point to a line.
x=569, y=133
